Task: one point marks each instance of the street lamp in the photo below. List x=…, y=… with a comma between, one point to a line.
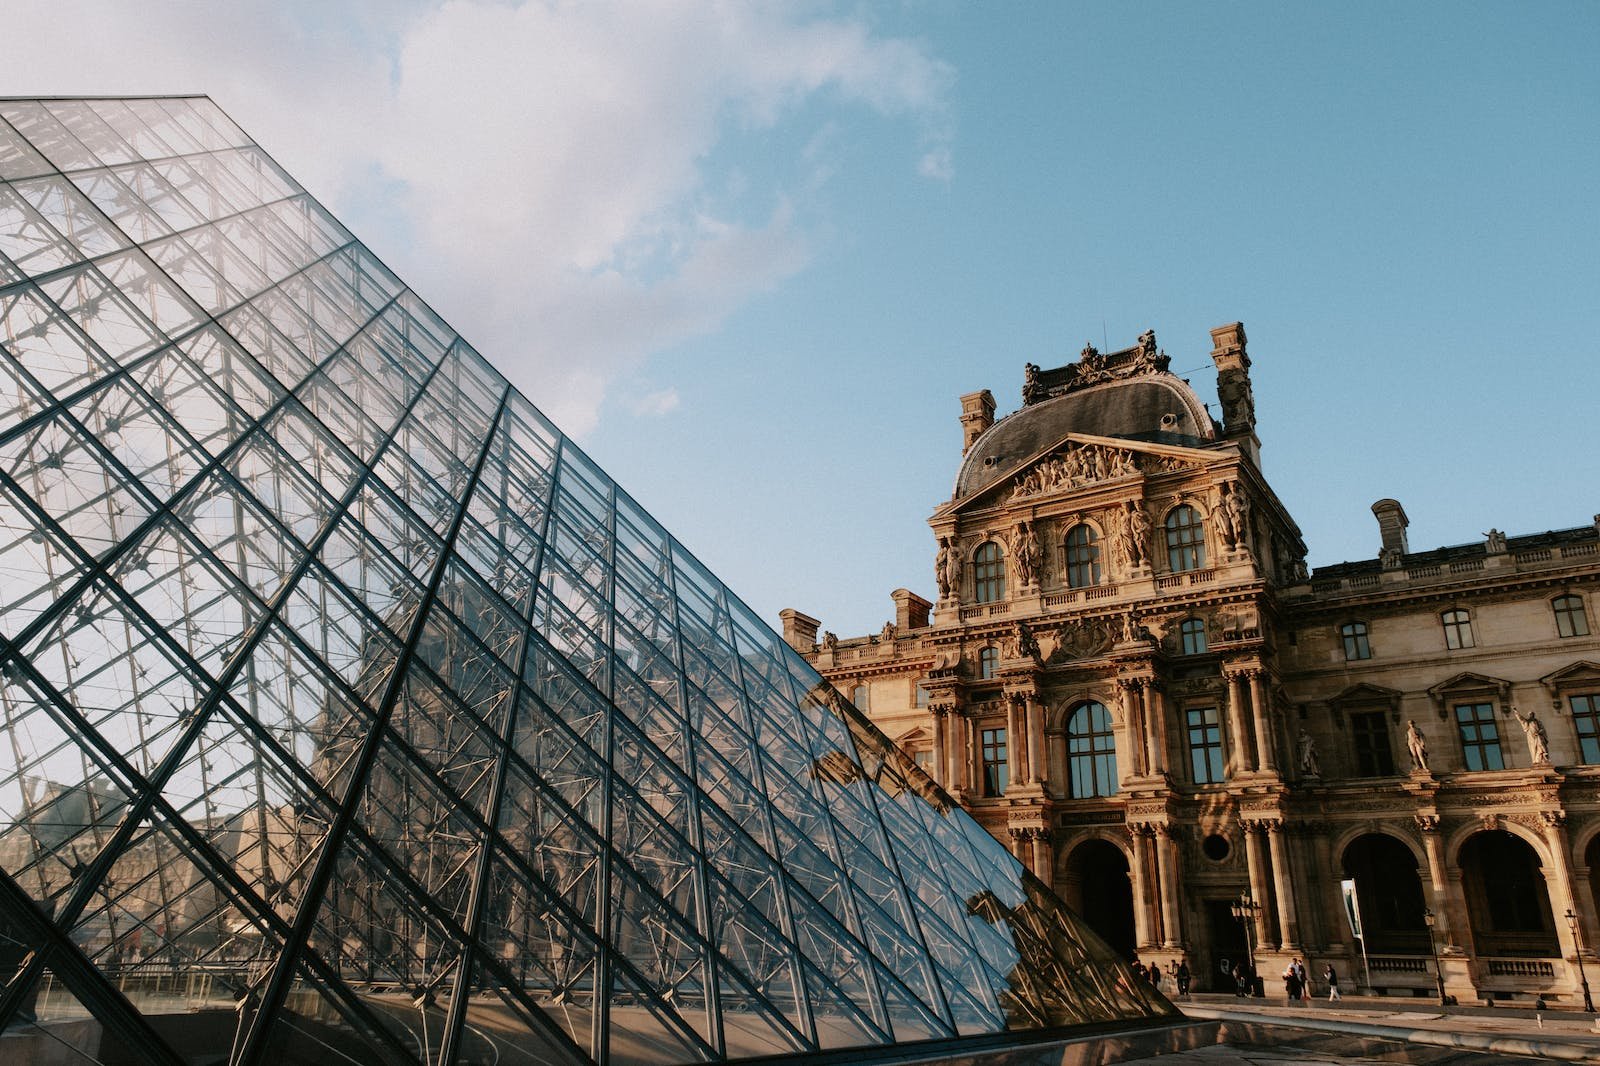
x=1433, y=945
x=1577, y=942
x=1244, y=911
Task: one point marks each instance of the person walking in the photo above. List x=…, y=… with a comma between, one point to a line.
x=1181, y=976
x=1291, y=983
x=1330, y=975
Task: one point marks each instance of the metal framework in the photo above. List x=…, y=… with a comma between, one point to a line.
x=348, y=712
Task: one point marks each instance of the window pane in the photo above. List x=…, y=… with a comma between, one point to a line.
x=1083, y=557
x=1205, y=745
x=1585, y=712
x=1570, y=619
x=1186, y=540
x=1480, y=736
x=1370, y=732
x=1091, y=751
x=1354, y=635
x=988, y=574
x=994, y=762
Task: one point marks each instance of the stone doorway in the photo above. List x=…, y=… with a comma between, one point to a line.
x=1094, y=882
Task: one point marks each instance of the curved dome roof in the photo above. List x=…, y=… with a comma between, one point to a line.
x=1133, y=408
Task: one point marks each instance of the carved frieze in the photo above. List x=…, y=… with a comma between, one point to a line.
x=1076, y=465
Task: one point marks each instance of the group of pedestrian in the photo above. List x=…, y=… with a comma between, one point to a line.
x=1177, y=970
x=1297, y=984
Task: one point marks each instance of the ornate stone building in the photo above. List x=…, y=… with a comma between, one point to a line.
x=1131, y=678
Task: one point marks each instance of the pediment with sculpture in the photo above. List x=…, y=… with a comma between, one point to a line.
x=1076, y=464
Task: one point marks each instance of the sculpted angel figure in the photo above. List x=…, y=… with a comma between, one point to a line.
x=1538, y=740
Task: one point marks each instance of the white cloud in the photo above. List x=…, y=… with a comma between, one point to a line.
x=550, y=160
x=655, y=404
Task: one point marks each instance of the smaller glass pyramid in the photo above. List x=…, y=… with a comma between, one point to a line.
x=349, y=712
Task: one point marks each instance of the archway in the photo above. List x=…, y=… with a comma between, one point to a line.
x=1389, y=892
x=1094, y=882
x=1507, y=903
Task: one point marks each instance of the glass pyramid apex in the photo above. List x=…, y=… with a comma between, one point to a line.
x=349, y=711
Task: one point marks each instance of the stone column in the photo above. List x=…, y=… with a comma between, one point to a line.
x=1156, y=727
x=1133, y=717
x=1016, y=743
x=1167, y=872
x=1037, y=769
x=1266, y=755
x=1283, y=886
x=1044, y=857
x=1243, y=761
x=1257, y=865
x=1433, y=847
x=974, y=757
x=941, y=771
x=1138, y=870
x=1565, y=899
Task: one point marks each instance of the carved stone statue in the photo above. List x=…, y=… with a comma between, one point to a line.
x=1538, y=740
x=1390, y=558
x=941, y=568
x=1022, y=644
x=890, y=631
x=1032, y=390
x=1025, y=553
x=1133, y=538
x=1494, y=542
x=1233, y=518
x=1417, y=745
x=952, y=571
x=1147, y=343
x=829, y=640
x=1306, y=745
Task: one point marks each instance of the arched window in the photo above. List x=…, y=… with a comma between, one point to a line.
x=1083, y=557
x=988, y=573
x=1457, y=629
x=988, y=663
x=1570, y=619
x=1354, y=636
x=1193, y=633
x=1186, y=539
x=859, y=697
x=1091, y=751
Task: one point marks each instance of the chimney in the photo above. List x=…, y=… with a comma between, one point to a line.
x=1392, y=522
x=799, y=630
x=977, y=415
x=910, y=610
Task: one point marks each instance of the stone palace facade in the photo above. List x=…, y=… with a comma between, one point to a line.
x=1132, y=680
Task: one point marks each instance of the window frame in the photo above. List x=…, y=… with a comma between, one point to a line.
x=988, y=573
x=1572, y=620
x=1185, y=538
x=1586, y=706
x=988, y=662
x=1208, y=764
x=1475, y=749
x=1355, y=636
x=1457, y=623
x=1091, y=751
x=996, y=762
x=1083, y=557
x=861, y=697
x=1373, y=747
x=1192, y=636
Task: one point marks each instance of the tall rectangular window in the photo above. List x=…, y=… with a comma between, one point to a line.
x=1586, y=719
x=1457, y=629
x=924, y=760
x=1480, y=736
x=1205, y=745
x=1370, y=732
x=1570, y=619
x=1354, y=636
x=994, y=762
x=920, y=698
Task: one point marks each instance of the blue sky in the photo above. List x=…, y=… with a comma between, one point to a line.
x=751, y=254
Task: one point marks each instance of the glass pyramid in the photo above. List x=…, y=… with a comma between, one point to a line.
x=352, y=714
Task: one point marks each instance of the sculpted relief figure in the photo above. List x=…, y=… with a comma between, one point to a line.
x=941, y=568
x=1032, y=390
x=890, y=631
x=829, y=640
x=1538, y=740
x=1025, y=553
x=1022, y=644
x=1232, y=518
x=952, y=570
x=1417, y=746
x=1082, y=465
x=1494, y=542
x=1133, y=536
